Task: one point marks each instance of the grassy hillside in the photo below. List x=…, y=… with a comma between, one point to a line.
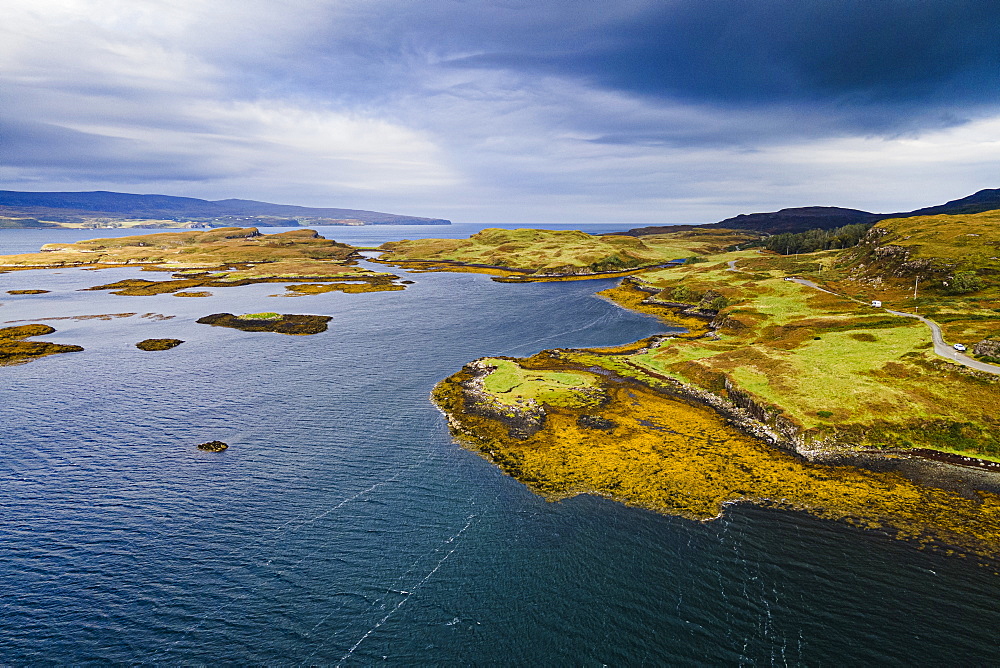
x=940, y=244
x=561, y=252
x=188, y=249
x=953, y=262
x=833, y=366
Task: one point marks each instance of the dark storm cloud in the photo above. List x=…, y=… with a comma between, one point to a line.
x=586, y=109
x=874, y=65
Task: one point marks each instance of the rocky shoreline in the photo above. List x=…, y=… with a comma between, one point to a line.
x=675, y=449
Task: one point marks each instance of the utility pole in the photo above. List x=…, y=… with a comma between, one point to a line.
x=916, y=280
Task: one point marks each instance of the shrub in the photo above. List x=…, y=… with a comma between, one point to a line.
x=963, y=282
x=718, y=303
x=824, y=414
x=682, y=293
x=615, y=262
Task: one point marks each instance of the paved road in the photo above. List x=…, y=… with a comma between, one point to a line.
x=946, y=351
x=810, y=284
x=940, y=346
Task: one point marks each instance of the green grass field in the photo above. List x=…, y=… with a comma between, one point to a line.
x=513, y=385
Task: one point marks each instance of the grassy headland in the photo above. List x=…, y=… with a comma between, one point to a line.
x=566, y=430
x=552, y=253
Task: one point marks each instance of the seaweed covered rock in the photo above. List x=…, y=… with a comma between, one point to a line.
x=15, y=350
x=27, y=292
x=269, y=322
x=213, y=446
x=158, y=344
x=595, y=422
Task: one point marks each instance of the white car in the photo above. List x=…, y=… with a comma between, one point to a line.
x=959, y=347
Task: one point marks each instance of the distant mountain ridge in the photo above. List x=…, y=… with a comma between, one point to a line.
x=75, y=204
x=802, y=219
x=798, y=219
x=984, y=200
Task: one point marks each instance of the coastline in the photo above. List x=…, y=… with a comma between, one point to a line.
x=740, y=452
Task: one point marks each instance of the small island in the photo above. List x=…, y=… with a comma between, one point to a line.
x=158, y=344
x=300, y=325
x=373, y=285
x=213, y=446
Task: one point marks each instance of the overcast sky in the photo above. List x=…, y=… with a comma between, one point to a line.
x=574, y=111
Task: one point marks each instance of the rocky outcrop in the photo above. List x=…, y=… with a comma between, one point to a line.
x=987, y=348
x=699, y=310
x=213, y=446
x=596, y=422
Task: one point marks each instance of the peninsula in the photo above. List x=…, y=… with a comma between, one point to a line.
x=224, y=257
x=803, y=381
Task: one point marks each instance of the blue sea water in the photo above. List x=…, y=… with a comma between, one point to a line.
x=343, y=525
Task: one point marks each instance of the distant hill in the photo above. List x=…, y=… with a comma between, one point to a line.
x=802, y=219
x=798, y=219
x=76, y=207
x=984, y=200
